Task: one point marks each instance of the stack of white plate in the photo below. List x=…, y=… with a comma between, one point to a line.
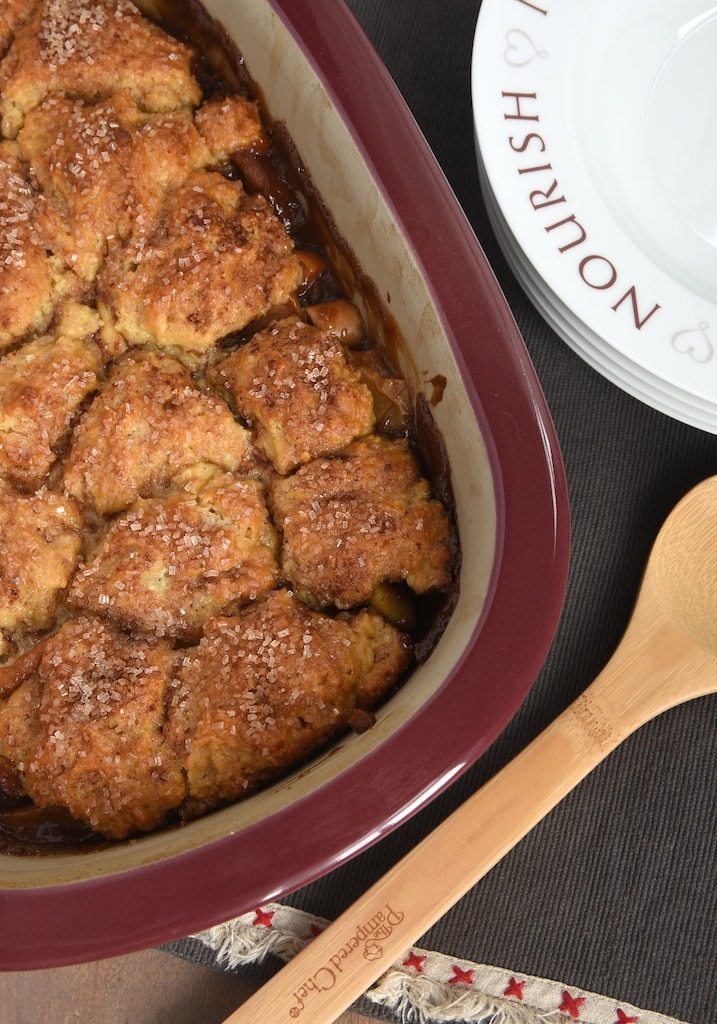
x=596, y=128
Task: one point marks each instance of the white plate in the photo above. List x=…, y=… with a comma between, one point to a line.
x=602, y=357
x=640, y=385
x=596, y=129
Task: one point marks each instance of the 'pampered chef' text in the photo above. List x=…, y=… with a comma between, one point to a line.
x=367, y=939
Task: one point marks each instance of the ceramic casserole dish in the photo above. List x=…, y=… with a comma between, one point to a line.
x=390, y=202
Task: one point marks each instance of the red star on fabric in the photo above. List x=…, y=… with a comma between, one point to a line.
x=461, y=977
x=514, y=989
x=415, y=961
x=571, y=1004
x=263, y=917
x=622, y=1018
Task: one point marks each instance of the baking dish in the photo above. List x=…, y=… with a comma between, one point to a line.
x=461, y=349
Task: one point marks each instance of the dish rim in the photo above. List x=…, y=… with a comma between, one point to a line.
x=159, y=902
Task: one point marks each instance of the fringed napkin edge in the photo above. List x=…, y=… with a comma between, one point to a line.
x=425, y=986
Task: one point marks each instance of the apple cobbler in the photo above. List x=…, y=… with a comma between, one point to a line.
x=213, y=535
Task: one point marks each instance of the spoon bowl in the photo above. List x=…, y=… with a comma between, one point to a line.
x=684, y=566
x=668, y=655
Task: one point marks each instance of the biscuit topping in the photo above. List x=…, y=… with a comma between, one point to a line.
x=202, y=513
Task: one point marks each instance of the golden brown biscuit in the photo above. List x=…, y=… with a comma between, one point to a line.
x=356, y=519
x=297, y=390
x=170, y=563
x=215, y=260
x=89, y=49
x=104, y=169
x=149, y=421
x=40, y=542
x=13, y=13
x=86, y=729
x=30, y=281
x=42, y=386
x=231, y=124
x=270, y=685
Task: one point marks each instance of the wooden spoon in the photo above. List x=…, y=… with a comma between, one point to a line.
x=668, y=655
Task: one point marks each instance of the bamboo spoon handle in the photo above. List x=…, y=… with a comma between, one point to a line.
x=336, y=967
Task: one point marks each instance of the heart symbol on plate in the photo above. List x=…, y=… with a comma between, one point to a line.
x=520, y=48
x=695, y=343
